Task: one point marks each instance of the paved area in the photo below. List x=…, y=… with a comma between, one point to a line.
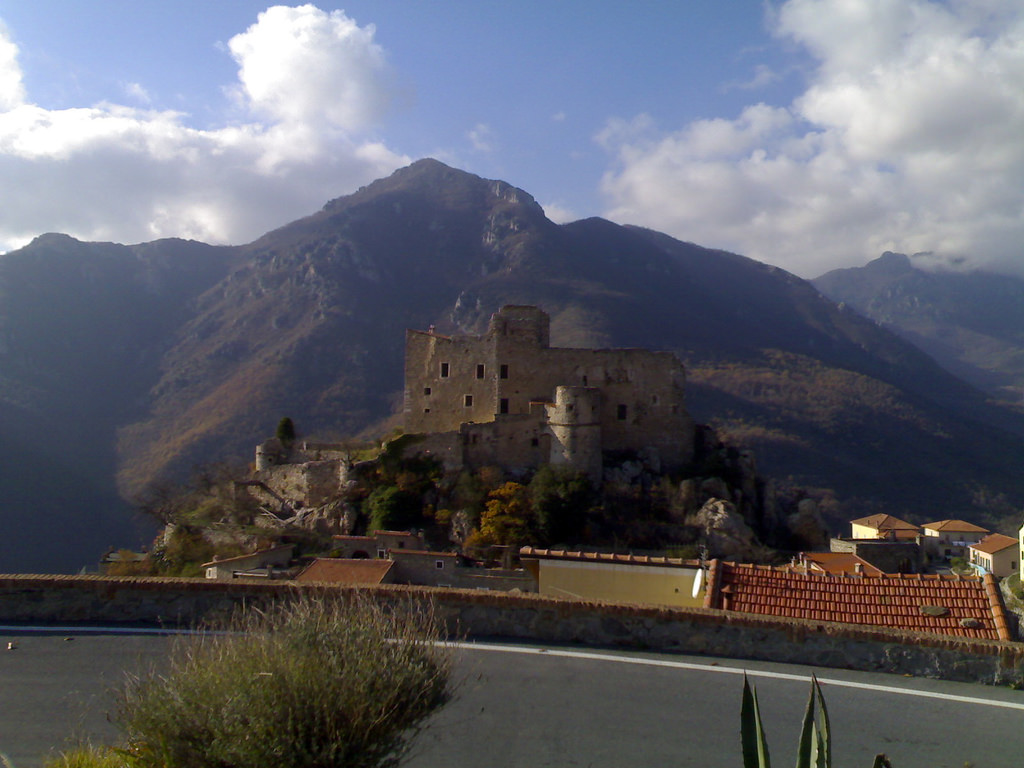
x=524, y=706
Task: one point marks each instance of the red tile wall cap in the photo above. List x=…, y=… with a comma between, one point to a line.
x=562, y=554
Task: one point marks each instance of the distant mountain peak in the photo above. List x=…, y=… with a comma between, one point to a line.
x=432, y=178
x=891, y=262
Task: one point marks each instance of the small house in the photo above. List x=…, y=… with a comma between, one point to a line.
x=996, y=554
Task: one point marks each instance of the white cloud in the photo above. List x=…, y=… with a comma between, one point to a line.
x=558, y=213
x=137, y=92
x=314, y=82
x=12, y=92
x=906, y=138
x=481, y=137
x=302, y=65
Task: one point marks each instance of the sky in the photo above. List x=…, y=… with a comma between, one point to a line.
x=808, y=134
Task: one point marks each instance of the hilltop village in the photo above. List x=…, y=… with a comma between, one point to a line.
x=578, y=474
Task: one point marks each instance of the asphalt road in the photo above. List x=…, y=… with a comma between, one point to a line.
x=525, y=706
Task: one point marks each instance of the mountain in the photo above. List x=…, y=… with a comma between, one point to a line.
x=138, y=362
x=83, y=327
x=970, y=322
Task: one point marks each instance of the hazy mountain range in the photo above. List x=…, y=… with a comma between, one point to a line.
x=123, y=364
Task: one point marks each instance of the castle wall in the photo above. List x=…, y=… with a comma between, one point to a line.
x=315, y=482
x=515, y=442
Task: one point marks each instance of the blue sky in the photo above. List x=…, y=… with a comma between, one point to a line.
x=809, y=134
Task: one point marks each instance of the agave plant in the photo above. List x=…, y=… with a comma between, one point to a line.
x=815, y=747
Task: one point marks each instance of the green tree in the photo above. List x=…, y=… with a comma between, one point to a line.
x=286, y=432
x=560, y=500
x=391, y=508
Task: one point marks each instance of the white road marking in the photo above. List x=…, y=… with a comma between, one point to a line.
x=717, y=667
x=589, y=656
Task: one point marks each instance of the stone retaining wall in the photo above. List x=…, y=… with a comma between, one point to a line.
x=477, y=614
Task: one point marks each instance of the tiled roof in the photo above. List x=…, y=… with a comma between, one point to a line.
x=949, y=605
x=882, y=522
x=994, y=542
x=604, y=557
x=835, y=563
x=344, y=571
x=403, y=534
x=955, y=526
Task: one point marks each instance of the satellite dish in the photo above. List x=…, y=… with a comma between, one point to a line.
x=698, y=583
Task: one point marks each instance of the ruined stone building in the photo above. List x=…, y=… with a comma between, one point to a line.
x=508, y=398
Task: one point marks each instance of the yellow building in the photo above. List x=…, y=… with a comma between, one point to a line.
x=615, y=578
x=883, y=527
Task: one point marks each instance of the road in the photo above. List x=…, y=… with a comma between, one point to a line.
x=527, y=706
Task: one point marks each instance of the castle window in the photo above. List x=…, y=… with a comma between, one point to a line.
x=426, y=410
x=503, y=372
x=584, y=381
x=621, y=412
x=534, y=441
x=479, y=371
x=426, y=391
x=444, y=370
x=468, y=401
x=503, y=405
x=654, y=399
x=439, y=564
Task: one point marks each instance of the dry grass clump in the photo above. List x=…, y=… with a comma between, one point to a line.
x=307, y=683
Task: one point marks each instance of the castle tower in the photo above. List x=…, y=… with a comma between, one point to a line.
x=574, y=422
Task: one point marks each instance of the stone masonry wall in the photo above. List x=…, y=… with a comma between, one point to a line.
x=467, y=613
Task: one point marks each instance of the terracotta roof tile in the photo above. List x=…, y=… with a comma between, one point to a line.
x=886, y=600
x=345, y=571
x=883, y=522
x=994, y=542
x=955, y=526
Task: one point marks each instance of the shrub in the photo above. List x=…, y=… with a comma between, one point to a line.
x=310, y=683
x=87, y=757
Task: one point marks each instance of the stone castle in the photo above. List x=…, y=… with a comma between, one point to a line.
x=508, y=398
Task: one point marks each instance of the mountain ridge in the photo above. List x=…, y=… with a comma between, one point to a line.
x=309, y=320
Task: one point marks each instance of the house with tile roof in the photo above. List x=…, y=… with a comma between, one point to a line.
x=961, y=606
x=950, y=538
x=337, y=570
x=835, y=563
x=376, y=544
x=996, y=554
x=882, y=526
x=615, y=578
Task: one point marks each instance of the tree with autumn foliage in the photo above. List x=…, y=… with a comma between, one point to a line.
x=507, y=517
